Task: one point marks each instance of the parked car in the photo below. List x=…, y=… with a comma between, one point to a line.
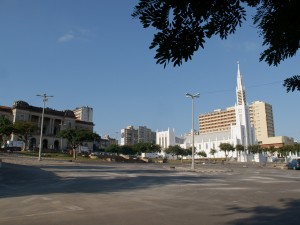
x=294, y=164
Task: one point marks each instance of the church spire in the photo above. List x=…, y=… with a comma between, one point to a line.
x=240, y=91
x=242, y=113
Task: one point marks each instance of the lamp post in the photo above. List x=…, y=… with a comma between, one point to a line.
x=45, y=99
x=193, y=132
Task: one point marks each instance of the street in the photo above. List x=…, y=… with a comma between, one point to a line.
x=52, y=192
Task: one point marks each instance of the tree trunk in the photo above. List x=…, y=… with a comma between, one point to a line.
x=74, y=154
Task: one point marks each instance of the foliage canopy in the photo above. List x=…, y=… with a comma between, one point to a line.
x=6, y=128
x=77, y=137
x=24, y=130
x=184, y=25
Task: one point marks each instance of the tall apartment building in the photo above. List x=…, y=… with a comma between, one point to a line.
x=261, y=119
x=84, y=113
x=261, y=116
x=218, y=120
x=146, y=135
x=131, y=136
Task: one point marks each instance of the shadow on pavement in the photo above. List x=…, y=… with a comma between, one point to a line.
x=287, y=214
x=22, y=180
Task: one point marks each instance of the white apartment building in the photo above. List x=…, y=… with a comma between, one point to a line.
x=84, y=113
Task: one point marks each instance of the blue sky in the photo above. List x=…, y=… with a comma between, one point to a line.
x=92, y=53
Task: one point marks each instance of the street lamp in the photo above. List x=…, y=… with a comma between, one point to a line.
x=193, y=132
x=45, y=99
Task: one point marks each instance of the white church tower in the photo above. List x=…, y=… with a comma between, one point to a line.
x=244, y=131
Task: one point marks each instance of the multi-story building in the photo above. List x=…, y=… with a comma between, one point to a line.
x=131, y=136
x=218, y=120
x=54, y=121
x=261, y=117
x=146, y=135
x=106, y=141
x=84, y=113
x=231, y=125
x=239, y=124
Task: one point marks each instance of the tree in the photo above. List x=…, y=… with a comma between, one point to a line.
x=286, y=150
x=255, y=149
x=292, y=83
x=202, y=153
x=24, y=130
x=76, y=137
x=297, y=148
x=127, y=150
x=213, y=152
x=146, y=148
x=240, y=148
x=271, y=150
x=187, y=151
x=184, y=25
x=226, y=148
x=114, y=148
x=175, y=150
x=282, y=152
x=6, y=129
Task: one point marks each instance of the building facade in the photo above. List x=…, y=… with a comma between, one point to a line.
x=165, y=138
x=223, y=126
x=129, y=136
x=106, y=141
x=54, y=121
x=239, y=124
x=261, y=117
x=142, y=134
x=216, y=121
x=84, y=113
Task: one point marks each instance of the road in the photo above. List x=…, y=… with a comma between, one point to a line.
x=52, y=192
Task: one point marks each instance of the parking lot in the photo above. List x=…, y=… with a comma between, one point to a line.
x=61, y=192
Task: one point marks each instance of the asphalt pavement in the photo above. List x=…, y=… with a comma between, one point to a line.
x=54, y=192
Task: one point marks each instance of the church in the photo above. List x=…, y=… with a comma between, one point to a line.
x=238, y=131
